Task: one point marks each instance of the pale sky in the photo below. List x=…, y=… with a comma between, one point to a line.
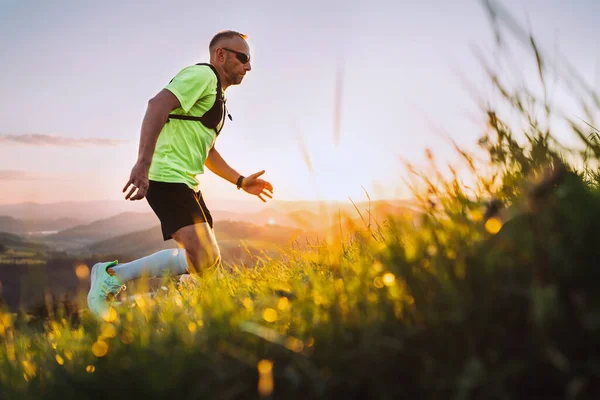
x=80, y=74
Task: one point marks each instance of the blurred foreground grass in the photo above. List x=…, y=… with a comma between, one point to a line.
x=493, y=292
x=459, y=305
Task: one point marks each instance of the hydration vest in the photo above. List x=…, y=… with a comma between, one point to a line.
x=213, y=117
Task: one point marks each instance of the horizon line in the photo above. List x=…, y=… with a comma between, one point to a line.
x=227, y=199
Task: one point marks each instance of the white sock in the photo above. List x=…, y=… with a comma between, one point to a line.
x=173, y=260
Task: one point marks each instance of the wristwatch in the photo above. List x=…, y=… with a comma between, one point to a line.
x=239, y=182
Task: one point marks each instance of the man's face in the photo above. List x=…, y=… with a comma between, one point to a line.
x=237, y=60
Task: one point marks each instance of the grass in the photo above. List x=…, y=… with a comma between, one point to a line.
x=22, y=257
x=457, y=306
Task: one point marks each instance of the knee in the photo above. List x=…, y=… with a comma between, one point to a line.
x=203, y=258
x=213, y=258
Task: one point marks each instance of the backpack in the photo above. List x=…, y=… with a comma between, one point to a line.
x=213, y=117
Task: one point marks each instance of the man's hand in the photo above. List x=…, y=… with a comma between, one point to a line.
x=137, y=180
x=258, y=187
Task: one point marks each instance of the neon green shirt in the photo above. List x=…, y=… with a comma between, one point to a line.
x=182, y=146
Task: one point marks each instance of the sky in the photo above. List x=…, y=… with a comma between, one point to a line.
x=76, y=77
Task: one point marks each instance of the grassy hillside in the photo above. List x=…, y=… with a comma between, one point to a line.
x=16, y=250
x=12, y=240
x=464, y=306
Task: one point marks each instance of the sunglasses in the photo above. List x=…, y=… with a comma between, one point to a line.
x=242, y=57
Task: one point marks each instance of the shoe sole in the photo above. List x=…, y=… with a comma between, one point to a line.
x=93, y=280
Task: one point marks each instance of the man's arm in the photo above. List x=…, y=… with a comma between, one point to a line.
x=157, y=113
x=216, y=164
x=251, y=184
x=156, y=116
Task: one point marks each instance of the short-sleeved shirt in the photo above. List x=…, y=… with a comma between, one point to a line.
x=182, y=146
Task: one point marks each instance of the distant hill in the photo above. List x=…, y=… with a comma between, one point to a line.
x=236, y=230
x=134, y=222
x=134, y=244
x=89, y=211
x=85, y=211
x=106, y=228
x=363, y=214
x=16, y=250
x=12, y=225
x=320, y=207
x=32, y=226
x=316, y=216
x=230, y=235
x=9, y=239
x=270, y=216
x=35, y=226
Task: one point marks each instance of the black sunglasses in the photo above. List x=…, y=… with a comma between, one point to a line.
x=243, y=57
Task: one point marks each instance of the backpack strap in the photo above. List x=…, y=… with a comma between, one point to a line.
x=216, y=114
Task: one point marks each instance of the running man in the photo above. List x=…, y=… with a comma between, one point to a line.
x=177, y=140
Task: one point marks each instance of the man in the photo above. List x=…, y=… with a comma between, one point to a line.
x=177, y=140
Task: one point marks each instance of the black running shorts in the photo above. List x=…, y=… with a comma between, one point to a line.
x=176, y=206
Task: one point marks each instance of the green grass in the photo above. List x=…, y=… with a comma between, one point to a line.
x=450, y=308
x=15, y=250
x=22, y=257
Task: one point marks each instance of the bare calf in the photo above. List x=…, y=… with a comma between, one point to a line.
x=200, y=246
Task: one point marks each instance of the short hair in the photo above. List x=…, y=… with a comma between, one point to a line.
x=224, y=35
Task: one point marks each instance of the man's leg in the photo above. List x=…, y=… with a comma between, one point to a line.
x=109, y=278
x=200, y=246
x=185, y=218
x=170, y=261
x=200, y=252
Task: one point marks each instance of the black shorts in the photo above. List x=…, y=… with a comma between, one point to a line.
x=176, y=206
